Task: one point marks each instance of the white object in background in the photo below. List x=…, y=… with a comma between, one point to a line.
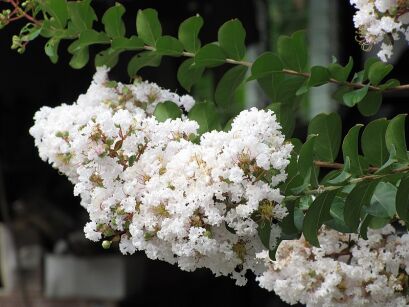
x=7, y=261
x=68, y=276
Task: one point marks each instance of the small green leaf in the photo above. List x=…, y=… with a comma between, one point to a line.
x=51, y=49
x=383, y=201
x=319, y=76
x=368, y=63
x=328, y=127
x=189, y=75
x=391, y=83
x=317, y=214
x=371, y=103
x=108, y=57
x=80, y=58
x=58, y=10
x=168, y=45
x=231, y=37
x=373, y=142
x=123, y=43
x=378, y=71
x=81, y=14
x=306, y=158
x=167, y=110
x=344, y=175
x=206, y=115
x=395, y=135
x=189, y=32
x=402, y=200
x=340, y=73
x=285, y=116
x=359, y=197
x=148, y=26
x=293, y=51
x=87, y=38
x=354, y=97
x=264, y=231
x=350, y=149
x=143, y=59
x=210, y=55
x=112, y=20
x=266, y=64
x=228, y=84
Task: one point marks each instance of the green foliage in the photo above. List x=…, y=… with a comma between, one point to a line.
x=317, y=214
x=228, y=84
x=231, y=38
x=211, y=55
x=166, y=110
x=189, y=32
x=148, y=26
x=206, y=115
x=328, y=128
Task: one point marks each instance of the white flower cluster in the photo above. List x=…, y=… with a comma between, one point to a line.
x=147, y=185
x=381, y=21
x=345, y=271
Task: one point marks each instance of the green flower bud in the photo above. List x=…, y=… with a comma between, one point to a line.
x=106, y=244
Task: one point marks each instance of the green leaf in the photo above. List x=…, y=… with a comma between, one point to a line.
x=51, y=49
x=80, y=58
x=328, y=127
x=189, y=32
x=148, y=26
x=264, y=231
x=371, y=103
x=87, y=38
x=350, y=149
x=168, y=45
x=210, y=55
x=340, y=73
x=383, y=201
x=189, y=75
x=402, y=200
x=58, y=10
x=317, y=214
x=228, y=84
x=391, y=83
x=206, y=115
x=123, y=43
x=108, y=57
x=141, y=60
x=354, y=97
x=368, y=63
x=395, y=135
x=266, y=64
x=112, y=20
x=337, y=213
x=167, y=110
x=373, y=142
x=285, y=116
x=343, y=176
x=293, y=51
x=378, y=71
x=288, y=227
x=359, y=197
x=319, y=76
x=231, y=37
x=82, y=14
x=306, y=158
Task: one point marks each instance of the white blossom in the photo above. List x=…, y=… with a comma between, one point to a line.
x=145, y=184
x=345, y=271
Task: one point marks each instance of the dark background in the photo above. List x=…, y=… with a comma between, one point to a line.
x=41, y=202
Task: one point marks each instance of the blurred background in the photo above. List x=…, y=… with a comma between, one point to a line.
x=45, y=259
